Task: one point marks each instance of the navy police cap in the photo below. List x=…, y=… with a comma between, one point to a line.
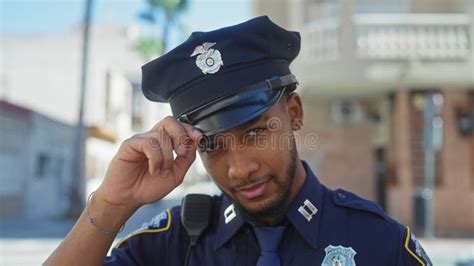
x=219, y=79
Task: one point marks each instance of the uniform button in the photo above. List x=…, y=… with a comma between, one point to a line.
x=341, y=195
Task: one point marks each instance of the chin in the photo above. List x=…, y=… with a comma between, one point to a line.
x=262, y=207
x=257, y=205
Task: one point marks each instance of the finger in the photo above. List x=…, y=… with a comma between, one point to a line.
x=195, y=135
x=154, y=153
x=178, y=134
x=166, y=151
x=140, y=147
x=183, y=163
x=192, y=131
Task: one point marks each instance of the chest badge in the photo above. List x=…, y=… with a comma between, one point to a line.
x=339, y=256
x=208, y=60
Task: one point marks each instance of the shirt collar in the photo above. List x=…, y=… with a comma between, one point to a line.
x=230, y=220
x=311, y=194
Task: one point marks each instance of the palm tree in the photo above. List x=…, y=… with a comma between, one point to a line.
x=168, y=11
x=148, y=47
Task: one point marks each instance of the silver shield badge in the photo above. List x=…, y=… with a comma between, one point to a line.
x=208, y=60
x=339, y=256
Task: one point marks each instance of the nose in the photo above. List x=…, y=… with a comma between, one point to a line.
x=241, y=165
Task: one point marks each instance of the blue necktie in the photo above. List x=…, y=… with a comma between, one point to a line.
x=269, y=239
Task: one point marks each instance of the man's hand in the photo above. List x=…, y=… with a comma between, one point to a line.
x=144, y=170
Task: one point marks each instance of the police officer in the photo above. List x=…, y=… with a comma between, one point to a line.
x=233, y=101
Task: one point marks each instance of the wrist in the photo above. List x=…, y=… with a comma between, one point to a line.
x=106, y=216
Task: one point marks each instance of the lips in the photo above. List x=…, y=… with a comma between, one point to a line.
x=254, y=190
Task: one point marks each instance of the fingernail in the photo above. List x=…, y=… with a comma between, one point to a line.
x=196, y=132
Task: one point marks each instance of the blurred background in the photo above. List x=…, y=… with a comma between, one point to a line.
x=388, y=87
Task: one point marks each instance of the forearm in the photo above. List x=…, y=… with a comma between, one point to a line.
x=86, y=243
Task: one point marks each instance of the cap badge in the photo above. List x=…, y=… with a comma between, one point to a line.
x=339, y=256
x=208, y=60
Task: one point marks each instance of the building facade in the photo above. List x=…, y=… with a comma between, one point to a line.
x=36, y=161
x=368, y=72
x=41, y=74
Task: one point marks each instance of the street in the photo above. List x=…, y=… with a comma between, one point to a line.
x=29, y=242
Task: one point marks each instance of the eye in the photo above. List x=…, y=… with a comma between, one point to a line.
x=256, y=131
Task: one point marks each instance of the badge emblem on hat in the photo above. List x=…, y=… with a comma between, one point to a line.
x=339, y=256
x=208, y=60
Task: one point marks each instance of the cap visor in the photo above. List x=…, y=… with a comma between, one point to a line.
x=238, y=113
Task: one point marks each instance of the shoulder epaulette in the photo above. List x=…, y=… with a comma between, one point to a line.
x=347, y=199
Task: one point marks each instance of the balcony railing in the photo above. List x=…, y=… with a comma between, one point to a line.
x=391, y=37
x=321, y=40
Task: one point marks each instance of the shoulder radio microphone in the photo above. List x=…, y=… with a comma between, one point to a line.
x=195, y=214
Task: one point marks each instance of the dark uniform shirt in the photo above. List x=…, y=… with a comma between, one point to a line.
x=323, y=226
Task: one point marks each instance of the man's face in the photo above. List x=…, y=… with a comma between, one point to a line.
x=254, y=164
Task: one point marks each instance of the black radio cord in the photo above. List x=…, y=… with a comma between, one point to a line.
x=192, y=244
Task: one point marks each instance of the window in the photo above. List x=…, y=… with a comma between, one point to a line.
x=42, y=165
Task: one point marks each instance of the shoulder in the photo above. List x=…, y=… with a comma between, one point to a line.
x=367, y=216
x=163, y=232
x=372, y=222
x=165, y=225
x=345, y=199
x=412, y=252
x=160, y=224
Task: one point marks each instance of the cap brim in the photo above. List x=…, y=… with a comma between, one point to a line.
x=239, y=112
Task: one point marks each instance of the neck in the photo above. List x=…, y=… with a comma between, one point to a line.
x=297, y=184
x=300, y=177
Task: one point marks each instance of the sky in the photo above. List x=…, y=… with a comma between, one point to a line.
x=31, y=17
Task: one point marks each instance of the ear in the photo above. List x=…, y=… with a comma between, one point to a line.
x=294, y=109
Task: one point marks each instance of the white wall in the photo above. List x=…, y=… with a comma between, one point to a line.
x=13, y=145
x=46, y=195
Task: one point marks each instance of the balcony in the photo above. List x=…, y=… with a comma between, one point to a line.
x=368, y=52
x=435, y=37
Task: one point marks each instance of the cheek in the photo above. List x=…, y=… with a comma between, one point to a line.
x=216, y=168
x=278, y=149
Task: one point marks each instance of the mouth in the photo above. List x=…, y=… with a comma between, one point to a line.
x=254, y=190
